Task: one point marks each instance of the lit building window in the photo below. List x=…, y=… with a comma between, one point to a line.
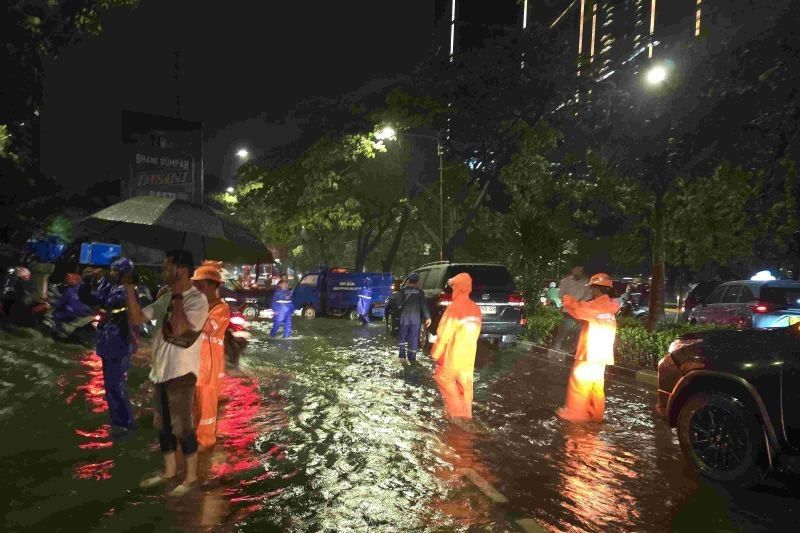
x=652, y=27
x=697, y=16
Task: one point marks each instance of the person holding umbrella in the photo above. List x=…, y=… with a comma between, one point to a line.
x=181, y=313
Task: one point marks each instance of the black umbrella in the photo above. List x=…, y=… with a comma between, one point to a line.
x=171, y=224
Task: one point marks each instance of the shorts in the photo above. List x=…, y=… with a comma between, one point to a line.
x=175, y=401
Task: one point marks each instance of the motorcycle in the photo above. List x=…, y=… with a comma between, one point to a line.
x=236, y=338
x=631, y=309
x=81, y=330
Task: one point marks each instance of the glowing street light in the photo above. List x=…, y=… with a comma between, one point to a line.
x=230, y=190
x=656, y=75
x=386, y=134
x=242, y=153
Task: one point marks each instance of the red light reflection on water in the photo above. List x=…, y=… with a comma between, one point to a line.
x=94, y=390
x=98, y=471
x=236, y=424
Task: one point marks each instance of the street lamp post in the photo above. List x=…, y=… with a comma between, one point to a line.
x=389, y=133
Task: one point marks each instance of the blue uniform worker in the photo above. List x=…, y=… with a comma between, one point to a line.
x=70, y=312
x=364, y=301
x=413, y=312
x=117, y=341
x=283, y=308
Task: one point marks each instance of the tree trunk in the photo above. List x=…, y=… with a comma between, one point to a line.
x=398, y=237
x=359, y=262
x=656, y=306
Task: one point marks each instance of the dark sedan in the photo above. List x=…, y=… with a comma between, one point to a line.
x=735, y=398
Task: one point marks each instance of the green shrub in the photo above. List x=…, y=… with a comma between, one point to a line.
x=635, y=346
x=542, y=324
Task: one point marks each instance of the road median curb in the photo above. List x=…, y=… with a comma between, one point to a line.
x=646, y=377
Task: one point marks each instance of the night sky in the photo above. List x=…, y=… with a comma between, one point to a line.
x=243, y=66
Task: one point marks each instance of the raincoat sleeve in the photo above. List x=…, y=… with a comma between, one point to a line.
x=103, y=291
x=582, y=310
x=444, y=336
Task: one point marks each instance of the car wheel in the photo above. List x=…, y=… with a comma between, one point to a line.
x=352, y=315
x=389, y=323
x=721, y=438
x=309, y=312
x=250, y=312
x=423, y=338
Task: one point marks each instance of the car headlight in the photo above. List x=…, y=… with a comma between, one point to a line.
x=677, y=344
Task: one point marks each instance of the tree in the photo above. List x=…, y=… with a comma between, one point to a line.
x=668, y=136
x=345, y=192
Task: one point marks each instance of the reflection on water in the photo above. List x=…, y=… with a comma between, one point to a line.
x=329, y=432
x=593, y=481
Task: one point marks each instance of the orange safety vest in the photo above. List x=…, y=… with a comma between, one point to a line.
x=212, y=354
x=596, y=343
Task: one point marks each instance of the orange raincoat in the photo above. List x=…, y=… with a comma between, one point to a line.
x=455, y=347
x=586, y=397
x=212, y=370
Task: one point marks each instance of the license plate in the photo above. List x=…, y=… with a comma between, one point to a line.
x=488, y=309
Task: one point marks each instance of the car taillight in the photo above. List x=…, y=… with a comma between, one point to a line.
x=523, y=320
x=763, y=307
x=445, y=298
x=515, y=299
x=238, y=321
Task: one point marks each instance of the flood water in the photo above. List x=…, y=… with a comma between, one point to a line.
x=328, y=432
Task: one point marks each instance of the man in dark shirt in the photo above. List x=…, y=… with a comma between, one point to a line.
x=413, y=311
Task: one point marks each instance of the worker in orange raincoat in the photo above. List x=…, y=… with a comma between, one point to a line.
x=586, y=397
x=207, y=278
x=454, y=350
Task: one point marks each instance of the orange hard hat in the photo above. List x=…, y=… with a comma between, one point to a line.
x=209, y=270
x=601, y=280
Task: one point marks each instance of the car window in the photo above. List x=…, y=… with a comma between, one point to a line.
x=732, y=294
x=433, y=281
x=782, y=296
x=485, y=277
x=310, y=279
x=747, y=295
x=716, y=296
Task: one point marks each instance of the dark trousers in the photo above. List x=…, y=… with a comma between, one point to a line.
x=175, y=400
x=408, y=340
x=115, y=376
x=567, y=334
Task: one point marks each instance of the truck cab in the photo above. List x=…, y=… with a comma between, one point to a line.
x=334, y=292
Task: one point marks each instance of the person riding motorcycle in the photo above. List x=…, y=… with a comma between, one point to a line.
x=19, y=305
x=70, y=314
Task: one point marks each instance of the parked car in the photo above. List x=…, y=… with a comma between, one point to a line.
x=494, y=290
x=734, y=397
x=750, y=304
x=698, y=292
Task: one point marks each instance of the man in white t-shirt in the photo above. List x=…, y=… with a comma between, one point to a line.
x=180, y=312
x=574, y=284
